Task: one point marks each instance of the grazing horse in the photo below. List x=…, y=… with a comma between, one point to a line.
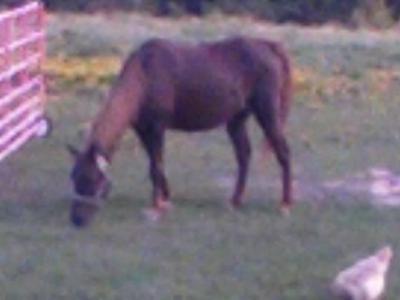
x=167, y=85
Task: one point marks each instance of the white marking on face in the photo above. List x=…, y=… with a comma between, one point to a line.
x=102, y=163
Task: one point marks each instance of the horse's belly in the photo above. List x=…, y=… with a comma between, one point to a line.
x=196, y=123
x=206, y=98
x=203, y=114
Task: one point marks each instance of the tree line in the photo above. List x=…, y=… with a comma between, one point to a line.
x=379, y=13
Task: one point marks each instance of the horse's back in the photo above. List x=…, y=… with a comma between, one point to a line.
x=239, y=57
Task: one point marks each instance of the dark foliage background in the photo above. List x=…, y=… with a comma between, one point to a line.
x=377, y=13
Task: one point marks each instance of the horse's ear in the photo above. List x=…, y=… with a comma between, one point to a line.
x=72, y=150
x=102, y=162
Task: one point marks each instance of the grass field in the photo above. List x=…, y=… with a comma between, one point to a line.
x=345, y=119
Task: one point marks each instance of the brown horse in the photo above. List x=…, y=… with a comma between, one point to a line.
x=167, y=85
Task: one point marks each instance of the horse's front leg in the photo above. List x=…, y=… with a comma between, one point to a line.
x=152, y=138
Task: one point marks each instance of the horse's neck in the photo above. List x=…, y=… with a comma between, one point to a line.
x=118, y=114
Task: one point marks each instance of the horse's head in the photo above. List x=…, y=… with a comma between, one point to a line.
x=91, y=183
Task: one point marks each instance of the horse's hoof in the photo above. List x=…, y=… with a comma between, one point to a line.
x=285, y=210
x=234, y=206
x=165, y=206
x=152, y=214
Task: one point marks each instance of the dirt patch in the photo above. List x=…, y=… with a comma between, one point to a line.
x=381, y=185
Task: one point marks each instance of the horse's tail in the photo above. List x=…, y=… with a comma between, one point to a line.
x=286, y=88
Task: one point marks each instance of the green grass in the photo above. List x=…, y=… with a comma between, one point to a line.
x=202, y=250
x=199, y=251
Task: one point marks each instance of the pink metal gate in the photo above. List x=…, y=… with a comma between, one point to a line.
x=22, y=93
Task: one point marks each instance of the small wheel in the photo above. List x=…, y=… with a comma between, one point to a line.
x=44, y=128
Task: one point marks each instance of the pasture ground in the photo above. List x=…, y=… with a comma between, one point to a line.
x=345, y=119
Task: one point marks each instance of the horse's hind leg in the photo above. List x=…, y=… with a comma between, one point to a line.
x=265, y=107
x=236, y=129
x=152, y=138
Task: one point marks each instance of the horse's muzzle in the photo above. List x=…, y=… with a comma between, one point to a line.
x=84, y=208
